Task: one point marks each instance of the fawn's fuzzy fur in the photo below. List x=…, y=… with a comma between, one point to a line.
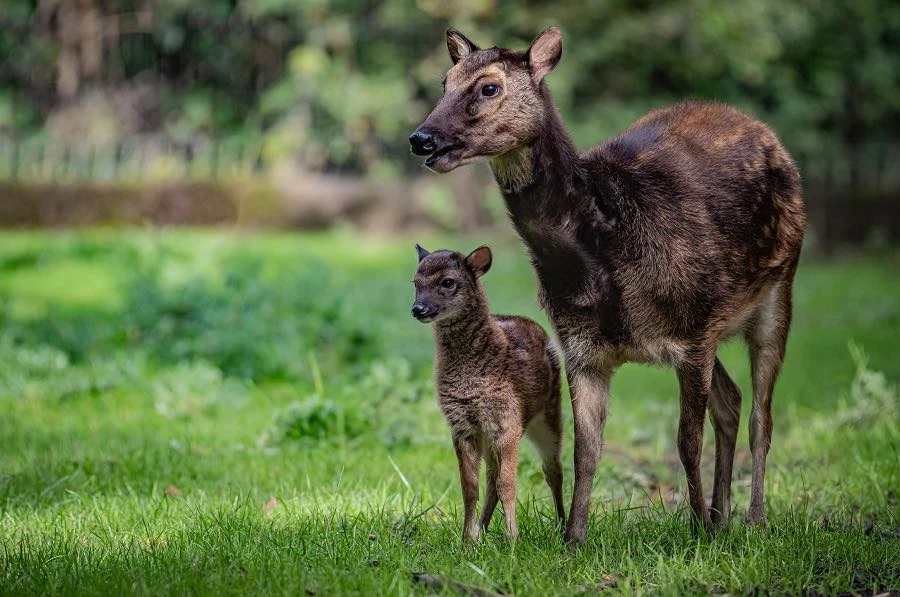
x=497, y=378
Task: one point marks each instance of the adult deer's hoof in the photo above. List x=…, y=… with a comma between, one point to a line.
x=575, y=536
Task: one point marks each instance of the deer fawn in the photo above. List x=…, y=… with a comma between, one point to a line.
x=497, y=378
x=652, y=247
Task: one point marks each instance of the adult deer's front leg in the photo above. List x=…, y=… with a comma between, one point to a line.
x=590, y=398
x=695, y=380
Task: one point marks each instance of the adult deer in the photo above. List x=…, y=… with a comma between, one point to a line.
x=652, y=247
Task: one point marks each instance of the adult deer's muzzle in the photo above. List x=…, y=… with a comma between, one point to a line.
x=422, y=143
x=442, y=151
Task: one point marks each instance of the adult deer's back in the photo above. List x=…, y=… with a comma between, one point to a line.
x=654, y=246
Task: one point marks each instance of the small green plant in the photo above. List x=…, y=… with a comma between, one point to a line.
x=316, y=418
x=871, y=397
x=871, y=391
x=44, y=372
x=194, y=388
x=383, y=402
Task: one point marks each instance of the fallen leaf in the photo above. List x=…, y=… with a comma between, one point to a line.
x=173, y=491
x=438, y=583
x=607, y=581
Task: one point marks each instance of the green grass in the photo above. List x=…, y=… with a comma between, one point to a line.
x=221, y=412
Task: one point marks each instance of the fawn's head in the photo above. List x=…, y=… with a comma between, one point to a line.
x=494, y=101
x=447, y=283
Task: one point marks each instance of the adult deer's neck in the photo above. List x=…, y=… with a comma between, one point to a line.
x=543, y=175
x=560, y=211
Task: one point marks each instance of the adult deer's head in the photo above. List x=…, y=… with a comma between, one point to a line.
x=494, y=101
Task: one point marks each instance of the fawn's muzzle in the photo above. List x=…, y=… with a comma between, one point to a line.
x=421, y=312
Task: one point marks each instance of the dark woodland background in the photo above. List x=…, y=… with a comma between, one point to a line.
x=296, y=112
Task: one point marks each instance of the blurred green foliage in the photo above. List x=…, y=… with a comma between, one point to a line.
x=338, y=84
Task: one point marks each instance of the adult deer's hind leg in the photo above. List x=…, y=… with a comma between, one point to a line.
x=546, y=434
x=766, y=339
x=725, y=414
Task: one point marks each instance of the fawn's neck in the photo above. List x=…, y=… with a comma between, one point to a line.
x=466, y=335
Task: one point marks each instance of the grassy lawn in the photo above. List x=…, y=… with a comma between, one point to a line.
x=224, y=412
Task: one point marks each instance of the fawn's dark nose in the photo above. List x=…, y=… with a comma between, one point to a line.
x=418, y=310
x=422, y=143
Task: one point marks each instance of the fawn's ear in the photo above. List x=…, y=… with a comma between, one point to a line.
x=459, y=45
x=479, y=261
x=422, y=253
x=544, y=53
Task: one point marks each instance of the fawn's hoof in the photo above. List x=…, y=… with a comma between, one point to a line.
x=701, y=526
x=757, y=520
x=719, y=519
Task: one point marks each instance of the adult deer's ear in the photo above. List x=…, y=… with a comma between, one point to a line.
x=544, y=53
x=459, y=45
x=422, y=253
x=479, y=261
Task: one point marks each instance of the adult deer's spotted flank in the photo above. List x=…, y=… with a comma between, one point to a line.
x=654, y=246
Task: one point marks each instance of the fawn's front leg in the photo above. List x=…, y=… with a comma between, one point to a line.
x=508, y=455
x=467, y=455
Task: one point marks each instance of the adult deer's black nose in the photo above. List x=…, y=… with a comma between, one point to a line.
x=422, y=143
x=418, y=310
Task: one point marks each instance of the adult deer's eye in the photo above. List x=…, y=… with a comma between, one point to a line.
x=448, y=283
x=489, y=90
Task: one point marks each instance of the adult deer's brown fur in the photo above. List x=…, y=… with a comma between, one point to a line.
x=653, y=247
x=497, y=379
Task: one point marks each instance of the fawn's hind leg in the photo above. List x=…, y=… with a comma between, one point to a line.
x=545, y=432
x=725, y=414
x=766, y=338
x=490, y=496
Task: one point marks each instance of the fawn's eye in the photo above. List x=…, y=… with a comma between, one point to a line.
x=489, y=90
x=448, y=283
